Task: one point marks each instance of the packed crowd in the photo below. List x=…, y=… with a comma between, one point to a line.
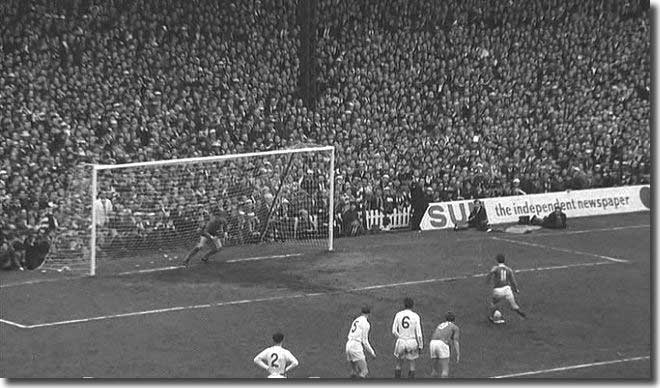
x=467, y=98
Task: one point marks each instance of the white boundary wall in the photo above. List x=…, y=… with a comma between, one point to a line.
x=575, y=203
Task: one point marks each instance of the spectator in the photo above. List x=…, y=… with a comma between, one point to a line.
x=468, y=94
x=477, y=219
x=9, y=258
x=103, y=209
x=554, y=220
x=352, y=223
x=516, y=187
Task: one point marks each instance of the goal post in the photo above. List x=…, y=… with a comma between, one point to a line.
x=92, y=240
x=139, y=212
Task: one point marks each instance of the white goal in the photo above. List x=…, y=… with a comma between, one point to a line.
x=132, y=213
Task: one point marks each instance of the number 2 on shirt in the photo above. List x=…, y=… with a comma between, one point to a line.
x=273, y=361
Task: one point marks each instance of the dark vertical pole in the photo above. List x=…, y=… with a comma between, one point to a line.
x=306, y=18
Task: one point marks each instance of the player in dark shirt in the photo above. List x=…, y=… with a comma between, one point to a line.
x=504, y=285
x=211, y=237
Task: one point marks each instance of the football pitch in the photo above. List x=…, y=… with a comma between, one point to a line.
x=586, y=290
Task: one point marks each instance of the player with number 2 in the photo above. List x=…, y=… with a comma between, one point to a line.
x=276, y=360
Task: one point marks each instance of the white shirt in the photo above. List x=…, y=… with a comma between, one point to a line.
x=407, y=325
x=276, y=359
x=103, y=209
x=359, y=332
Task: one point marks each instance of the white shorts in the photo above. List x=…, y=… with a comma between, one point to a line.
x=354, y=351
x=276, y=376
x=439, y=349
x=204, y=241
x=406, y=349
x=504, y=293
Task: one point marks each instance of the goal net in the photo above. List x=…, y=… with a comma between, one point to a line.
x=141, y=212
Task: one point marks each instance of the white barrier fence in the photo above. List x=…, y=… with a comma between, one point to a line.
x=399, y=219
x=575, y=203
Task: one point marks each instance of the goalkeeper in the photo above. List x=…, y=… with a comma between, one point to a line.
x=211, y=237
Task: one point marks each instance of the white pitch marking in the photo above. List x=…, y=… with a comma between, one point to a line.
x=564, y=266
x=296, y=296
x=13, y=324
x=562, y=233
x=479, y=275
x=560, y=249
x=149, y=270
x=264, y=258
x=571, y=367
x=598, y=230
x=37, y=281
x=160, y=269
x=414, y=282
x=165, y=310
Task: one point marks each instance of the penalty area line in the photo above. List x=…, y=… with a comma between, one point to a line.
x=292, y=296
x=164, y=310
x=572, y=251
x=571, y=367
x=596, y=230
x=10, y=323
x=564, y=232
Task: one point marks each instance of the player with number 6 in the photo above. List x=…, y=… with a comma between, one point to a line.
x=407, y=329
x=276, y=360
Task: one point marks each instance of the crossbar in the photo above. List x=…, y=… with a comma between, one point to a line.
x=211, y=158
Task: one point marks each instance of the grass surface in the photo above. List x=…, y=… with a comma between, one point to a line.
x=579, y=314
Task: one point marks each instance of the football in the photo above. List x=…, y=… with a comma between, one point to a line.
x=497, y=315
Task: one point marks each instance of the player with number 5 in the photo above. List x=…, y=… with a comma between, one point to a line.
x=504, y=285
x=275, y=359
x=407, y=329
x=358, y=340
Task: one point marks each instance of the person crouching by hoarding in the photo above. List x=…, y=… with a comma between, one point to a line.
x=478, y=219
x=554, y=220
